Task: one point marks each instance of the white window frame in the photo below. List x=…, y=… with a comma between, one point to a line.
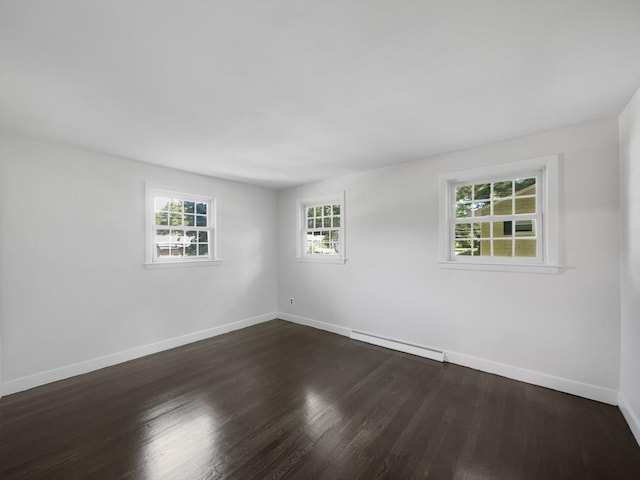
x=546, y=171
x=151, y=258
x=301, y=238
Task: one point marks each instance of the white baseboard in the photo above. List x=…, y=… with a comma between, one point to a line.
x=629, y=415
x=42, y=378
x=592, y=392
x=329, y=327
x=561, y=384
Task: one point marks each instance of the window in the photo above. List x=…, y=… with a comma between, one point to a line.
x=180, y=227
x=321, y=235
x=502, y=217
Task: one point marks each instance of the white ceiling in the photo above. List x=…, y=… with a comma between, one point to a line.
x=280, y=93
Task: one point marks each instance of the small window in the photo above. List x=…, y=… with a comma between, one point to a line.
x=321, y=229
x=504, y=216
x=180, y=227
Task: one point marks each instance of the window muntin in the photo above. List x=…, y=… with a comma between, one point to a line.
x=321, y=229
x=181, y=227
x=484, y=216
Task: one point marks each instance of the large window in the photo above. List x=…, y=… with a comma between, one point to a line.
x=501, y=216
x=180, y=227
x=321, y=233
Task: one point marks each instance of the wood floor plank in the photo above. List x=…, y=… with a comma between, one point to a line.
x=283, y=401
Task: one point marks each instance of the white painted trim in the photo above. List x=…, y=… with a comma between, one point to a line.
x=151, y=259
x=497, y=267
x=566, y=385
x=399, y=345
x=301, y=204
x=548, y=169
x=561, y=384
x=629, y=415
x=42, y=378
x=329, y=327
x=183, y=264
x=328, y=259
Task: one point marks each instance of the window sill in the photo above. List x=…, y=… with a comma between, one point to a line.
x=335, y=261
x=181, y=264
x=503, y=267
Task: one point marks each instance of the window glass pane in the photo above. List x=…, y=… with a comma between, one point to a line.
x=203, y=249
x=162, y=218
x=482, y=191
x=323, y=243
x=318, y=211
x=327, y=222
x=336, y=221
x=525, y=228
x=201, y=208
x=485, y=248
x=525, y=186
x=310, y=212
x=503, y=207
x=203, y=236
x=201, y=220
x=503, y=189
x=526, y=205
x=525, y=248
x=163, y=243
x=502, y=248
x=318, y=222
x=161, y=203
x=310, y=223
x=335, y=243
x=189, y=220
x=463, y=230
x=191, y=250
x=476, y=248
x=175, y=206
x=481, y=209
x=463, y=247
x=463, y=210
x=482, y=230
x=189, y=207
x=463, y=193
x=502, y=229
x=327, y=210
x=175, y=219
x=336, y=209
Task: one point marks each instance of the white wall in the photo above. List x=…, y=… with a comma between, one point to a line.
x=72, y=283
x=565, y=328
x=630, y=263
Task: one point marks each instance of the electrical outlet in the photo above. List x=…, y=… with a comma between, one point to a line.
x=291, y=300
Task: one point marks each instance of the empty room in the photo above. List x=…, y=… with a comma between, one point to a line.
x=320, y=240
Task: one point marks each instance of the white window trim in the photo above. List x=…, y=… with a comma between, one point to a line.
x=151, y=261
x=301, y=204
x=548, y=167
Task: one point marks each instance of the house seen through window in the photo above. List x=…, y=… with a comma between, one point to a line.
x=497, y=219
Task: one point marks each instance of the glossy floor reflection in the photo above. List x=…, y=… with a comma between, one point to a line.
x=279, y=400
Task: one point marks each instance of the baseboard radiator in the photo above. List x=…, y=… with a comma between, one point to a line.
x=398, y=345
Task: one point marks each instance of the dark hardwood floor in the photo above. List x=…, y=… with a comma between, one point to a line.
x=279, y=400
